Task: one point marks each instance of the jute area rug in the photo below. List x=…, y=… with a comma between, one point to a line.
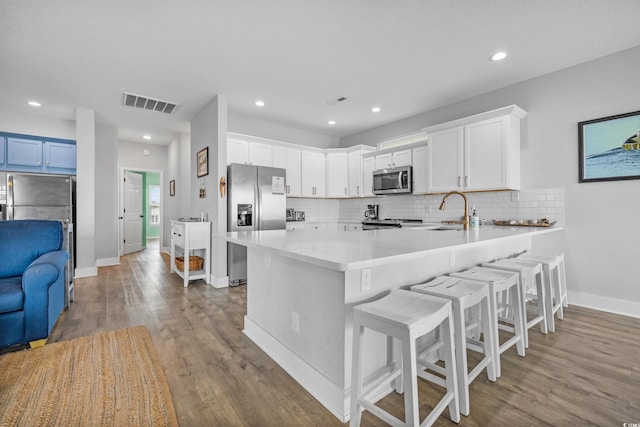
x=108, y=379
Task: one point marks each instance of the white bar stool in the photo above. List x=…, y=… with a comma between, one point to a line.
x=553, y=268
x=530, y=273
x=466, y=294
x=405, y=316
x=501, y=281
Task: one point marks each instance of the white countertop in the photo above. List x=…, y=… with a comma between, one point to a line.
x=344, y=250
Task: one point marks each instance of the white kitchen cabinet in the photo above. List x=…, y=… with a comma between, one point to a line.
x=295, y=225
x=237, y=150
x=289, y=159
x=313, y=173
x=187, y=238
x=368, y=166
x=393, y=159
x=349, y=226
x=243, y=150
x=477, y=153
x=356, y=173
x=337, y=174
x=420, y=170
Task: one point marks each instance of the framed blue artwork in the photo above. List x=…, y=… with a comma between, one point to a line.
x=609, y=148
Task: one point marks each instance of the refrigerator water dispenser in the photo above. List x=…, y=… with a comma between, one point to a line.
x=245, y=215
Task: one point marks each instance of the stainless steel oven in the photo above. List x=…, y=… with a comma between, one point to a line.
x=392, y=181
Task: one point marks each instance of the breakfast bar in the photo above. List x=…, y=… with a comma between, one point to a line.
x=302, y=286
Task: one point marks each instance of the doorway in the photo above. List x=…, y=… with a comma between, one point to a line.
x=141, y=210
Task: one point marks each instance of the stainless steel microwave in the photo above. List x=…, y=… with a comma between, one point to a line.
x=393, y=181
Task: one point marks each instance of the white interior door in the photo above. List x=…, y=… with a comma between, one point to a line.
x=132, y=212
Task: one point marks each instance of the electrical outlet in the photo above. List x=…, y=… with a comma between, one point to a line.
x=452, y=259
x=515, y=196
x=365, y=280
x=295, y=321
x=267, y=259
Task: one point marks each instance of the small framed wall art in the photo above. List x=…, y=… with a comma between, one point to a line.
x=609, y=148
x=172, y=187
x=202, y=160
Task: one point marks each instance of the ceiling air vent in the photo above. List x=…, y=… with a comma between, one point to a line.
x=146, y=103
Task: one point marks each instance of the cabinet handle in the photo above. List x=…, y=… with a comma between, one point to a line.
x=466, y=180
x=459, y=181
x=345, y=191
x=357, y=189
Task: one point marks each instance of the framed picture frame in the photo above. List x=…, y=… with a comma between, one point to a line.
x=172, y=187
x=202, y=160
x=609, y=148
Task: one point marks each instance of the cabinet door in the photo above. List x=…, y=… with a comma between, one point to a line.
x=354, y=166
x=420, y=170
x=59, y=155
x=237, y=151
x=445, y=155
x=24, y=152
x=401, y=158
x=289, y=159
x=368, y=166
x=260, y=154
x=485, y=162
x=337, y=174
x=383, y=161
x=313, y=174
x=3, y=144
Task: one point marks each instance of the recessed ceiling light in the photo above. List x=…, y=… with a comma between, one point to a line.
x=499, y=56
x=34, y=103
x=146, y=136
x=259, y=103
x=332, y=122
x=376, y=109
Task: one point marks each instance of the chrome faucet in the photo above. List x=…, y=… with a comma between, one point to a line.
x=465, y=218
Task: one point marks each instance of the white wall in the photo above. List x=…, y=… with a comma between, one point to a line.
x=209, y=129
x=255, y=127
x=33, y=124
x=85, y=225
x=601, y=236
x=106, y=190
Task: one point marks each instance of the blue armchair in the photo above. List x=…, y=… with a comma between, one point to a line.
x=32, y=265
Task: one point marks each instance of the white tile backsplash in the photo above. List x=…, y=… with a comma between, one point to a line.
x=503, y=205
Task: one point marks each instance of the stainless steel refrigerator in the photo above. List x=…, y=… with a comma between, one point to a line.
x=256, y=201
x=37, y=196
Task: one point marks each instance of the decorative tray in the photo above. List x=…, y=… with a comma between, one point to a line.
x=525, y=223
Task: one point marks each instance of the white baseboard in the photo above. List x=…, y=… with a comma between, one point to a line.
x=85, y=272
x=611, y=305
x=219, y=282
x=104, y=262
x=330, y=395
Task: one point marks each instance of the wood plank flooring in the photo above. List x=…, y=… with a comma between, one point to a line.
x=586, y=374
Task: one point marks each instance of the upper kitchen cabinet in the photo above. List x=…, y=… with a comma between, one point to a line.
x=37, y=154
x=313, y=173
x=476, y=153
x=393, y=159
x=420, y=169
x=357, y=173
x=368, y=166
x=337, y=174
x=59, y=155
x=3, y=147
x=242, y=149
x=289, y=159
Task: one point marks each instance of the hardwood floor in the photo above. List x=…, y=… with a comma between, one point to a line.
x=587, y=373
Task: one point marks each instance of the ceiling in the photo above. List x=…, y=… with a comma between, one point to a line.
x=298, y=56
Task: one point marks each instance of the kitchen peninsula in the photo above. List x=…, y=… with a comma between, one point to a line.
x=303, y=285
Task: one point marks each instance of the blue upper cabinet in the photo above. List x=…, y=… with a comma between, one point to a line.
x=26, y=153
x=3, y=146
x=59, y=155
